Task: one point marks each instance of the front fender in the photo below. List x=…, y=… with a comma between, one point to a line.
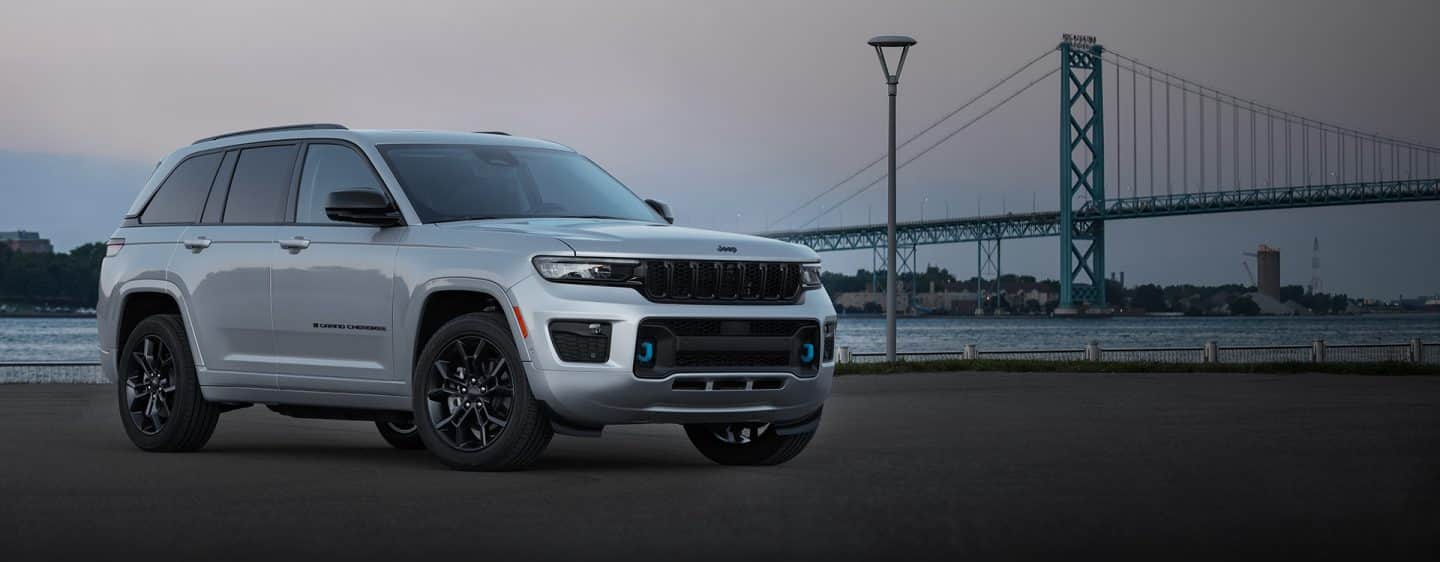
x=408, y=313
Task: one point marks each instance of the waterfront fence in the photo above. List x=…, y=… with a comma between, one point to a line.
x=87, y=372
x=1317, y=351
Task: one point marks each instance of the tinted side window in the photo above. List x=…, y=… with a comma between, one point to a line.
x=330, y=167
x=261, y=185
x=181, y=197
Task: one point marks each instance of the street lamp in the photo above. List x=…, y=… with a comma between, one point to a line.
x=881, y=43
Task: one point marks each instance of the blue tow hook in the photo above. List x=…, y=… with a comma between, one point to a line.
x=809, y=354
x=647, y=352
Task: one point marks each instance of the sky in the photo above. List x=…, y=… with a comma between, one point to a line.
x=732, y=112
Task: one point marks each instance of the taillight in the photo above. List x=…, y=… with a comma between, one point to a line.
x=113, y=247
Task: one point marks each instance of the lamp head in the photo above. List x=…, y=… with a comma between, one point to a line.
x=883, y=42
x=891, y=41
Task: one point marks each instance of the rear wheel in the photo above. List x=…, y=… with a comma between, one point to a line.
x=160, y=402
x=400, y=434
x=746, y=444
x=473, y=407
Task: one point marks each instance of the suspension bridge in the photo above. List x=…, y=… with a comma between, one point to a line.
x=1177, y=147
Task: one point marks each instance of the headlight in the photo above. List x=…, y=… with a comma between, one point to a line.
x=810, y=275
x=587, y=270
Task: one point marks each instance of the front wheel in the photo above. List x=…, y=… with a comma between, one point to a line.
x=473, y=407
x=746, y=444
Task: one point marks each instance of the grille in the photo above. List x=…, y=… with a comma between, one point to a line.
x=720, y=327
x=732, y=359
x=727, y=383
x=722, y=281
x=698, y=345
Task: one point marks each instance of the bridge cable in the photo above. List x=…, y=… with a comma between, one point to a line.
x=1216, y=94
x=1352, y=146
x=927, y=149
x=912, y=138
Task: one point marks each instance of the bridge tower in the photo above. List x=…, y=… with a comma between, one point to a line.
x=1082, y=176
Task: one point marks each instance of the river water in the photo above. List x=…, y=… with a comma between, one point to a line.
x=73, y=339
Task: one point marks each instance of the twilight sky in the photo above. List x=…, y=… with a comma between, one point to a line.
x=731, y=111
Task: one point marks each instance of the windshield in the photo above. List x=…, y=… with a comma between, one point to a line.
x=450, y=182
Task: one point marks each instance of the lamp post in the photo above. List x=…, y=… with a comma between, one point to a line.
x=881, y=43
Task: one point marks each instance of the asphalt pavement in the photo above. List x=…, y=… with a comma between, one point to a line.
x=916, y=467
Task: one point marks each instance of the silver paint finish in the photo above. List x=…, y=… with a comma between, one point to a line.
x=332, y=303
x=609, y=393
x=226, y=289
x=328, y=315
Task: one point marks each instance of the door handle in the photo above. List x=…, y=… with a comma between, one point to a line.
x=197, y=244
x=295, y=244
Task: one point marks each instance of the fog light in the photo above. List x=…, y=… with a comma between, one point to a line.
x=579, y=341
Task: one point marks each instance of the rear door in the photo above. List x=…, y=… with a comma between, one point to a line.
x=334, y=283
x=224, y=264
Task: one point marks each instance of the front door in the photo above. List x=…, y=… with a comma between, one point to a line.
x=333, y=284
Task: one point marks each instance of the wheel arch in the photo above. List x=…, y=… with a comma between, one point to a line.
x=143, y=298
x=439, y=300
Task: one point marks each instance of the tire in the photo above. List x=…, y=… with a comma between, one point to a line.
x=161, y=406
x=746, y=444
x=472, y=403
x=400, y=435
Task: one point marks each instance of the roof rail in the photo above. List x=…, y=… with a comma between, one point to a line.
x=297, y=127
x=502, y=133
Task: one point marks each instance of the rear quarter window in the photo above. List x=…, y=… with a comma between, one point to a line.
x=182, y=196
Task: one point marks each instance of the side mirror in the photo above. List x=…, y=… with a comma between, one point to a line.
x=361, y=205
x=663, y=209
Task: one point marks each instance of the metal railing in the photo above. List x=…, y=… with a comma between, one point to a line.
x=83, y=372
x=89, y=372
x=1318, y=351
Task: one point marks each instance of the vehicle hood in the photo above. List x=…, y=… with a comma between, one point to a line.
x=604, y=237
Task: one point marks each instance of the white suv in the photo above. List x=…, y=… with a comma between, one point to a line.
x=470, y=293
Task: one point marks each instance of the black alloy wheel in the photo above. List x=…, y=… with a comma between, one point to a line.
x=400, y=433
x=149, y=385
x=472, y=405
x=738, y=433
x=470, y=394
x=746, y=444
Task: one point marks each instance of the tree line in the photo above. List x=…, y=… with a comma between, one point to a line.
x=69, y=280
x=1186, y=298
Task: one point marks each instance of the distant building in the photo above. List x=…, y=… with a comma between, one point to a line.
x=25, y=242
x=1269, y=261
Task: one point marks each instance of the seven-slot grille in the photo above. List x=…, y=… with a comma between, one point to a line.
x=721, y=281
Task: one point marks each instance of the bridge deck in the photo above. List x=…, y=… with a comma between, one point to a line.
x=1045, y=224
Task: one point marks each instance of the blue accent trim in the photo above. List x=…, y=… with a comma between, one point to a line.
x=648, y=353
x=809, y=354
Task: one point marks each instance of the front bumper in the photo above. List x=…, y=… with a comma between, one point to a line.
x=610, y=393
